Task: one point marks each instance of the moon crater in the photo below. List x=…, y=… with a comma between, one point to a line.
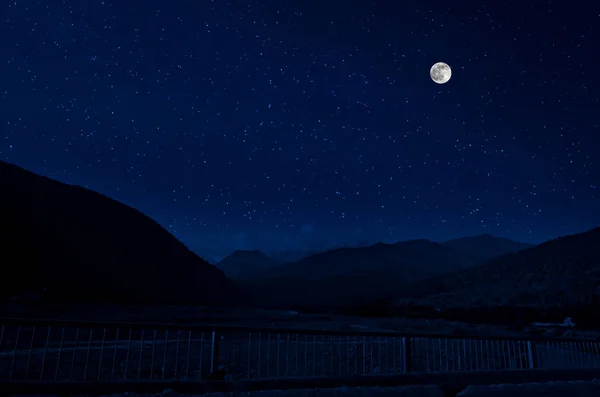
x=440, y=73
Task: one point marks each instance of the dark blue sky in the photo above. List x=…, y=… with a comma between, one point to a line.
x=301, y=124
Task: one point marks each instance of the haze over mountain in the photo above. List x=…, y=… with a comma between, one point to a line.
x=79, y=245
x=559, y=272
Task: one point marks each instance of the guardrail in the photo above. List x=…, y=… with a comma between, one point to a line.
x=84, y=351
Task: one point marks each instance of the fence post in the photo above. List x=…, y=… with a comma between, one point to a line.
x=214, y=352
x=530, y=354
x=406, y=355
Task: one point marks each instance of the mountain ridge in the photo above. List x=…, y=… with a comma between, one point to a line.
x=242, y=263
x=562, y=271
x=486, y=246
x=354, y=274
x=70, y=243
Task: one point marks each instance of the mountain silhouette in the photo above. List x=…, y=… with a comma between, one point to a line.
x=412, y=259
x=558, y=273
x=245, y=263
x=291, y=255
x=486, y=246
x=353, y=275
x=77, y=245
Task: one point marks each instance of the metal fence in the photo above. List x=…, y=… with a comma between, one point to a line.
x=42, y=350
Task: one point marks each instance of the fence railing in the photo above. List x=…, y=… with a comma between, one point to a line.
x=44, y=350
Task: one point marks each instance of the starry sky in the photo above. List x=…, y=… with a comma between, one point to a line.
x=303, y=125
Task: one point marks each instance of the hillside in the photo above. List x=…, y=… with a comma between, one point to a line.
x=290, y=255
x=486, y=246
x=79, y=245
x=560, y=272
x=244, y=263
x=352, y=275
x=409, y=260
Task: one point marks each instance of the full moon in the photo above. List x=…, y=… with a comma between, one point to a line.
x=440, y=73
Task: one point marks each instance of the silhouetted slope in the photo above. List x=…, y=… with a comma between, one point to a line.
x=560, y=272
x=353, y=275
x=486, y=246
x=290, y=255
x=80, y=245
x=243, y=263
x=409, y=260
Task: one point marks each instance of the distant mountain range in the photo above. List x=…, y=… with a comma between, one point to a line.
x=71, y=244
x=347, y=276
x=216, y=255
x=482, y=271
x=254, y=263
x=485, y=246
x=557, y=273
x=68, y=244
x=245, y=263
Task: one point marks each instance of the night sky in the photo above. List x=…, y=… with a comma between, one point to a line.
x=300, y=124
